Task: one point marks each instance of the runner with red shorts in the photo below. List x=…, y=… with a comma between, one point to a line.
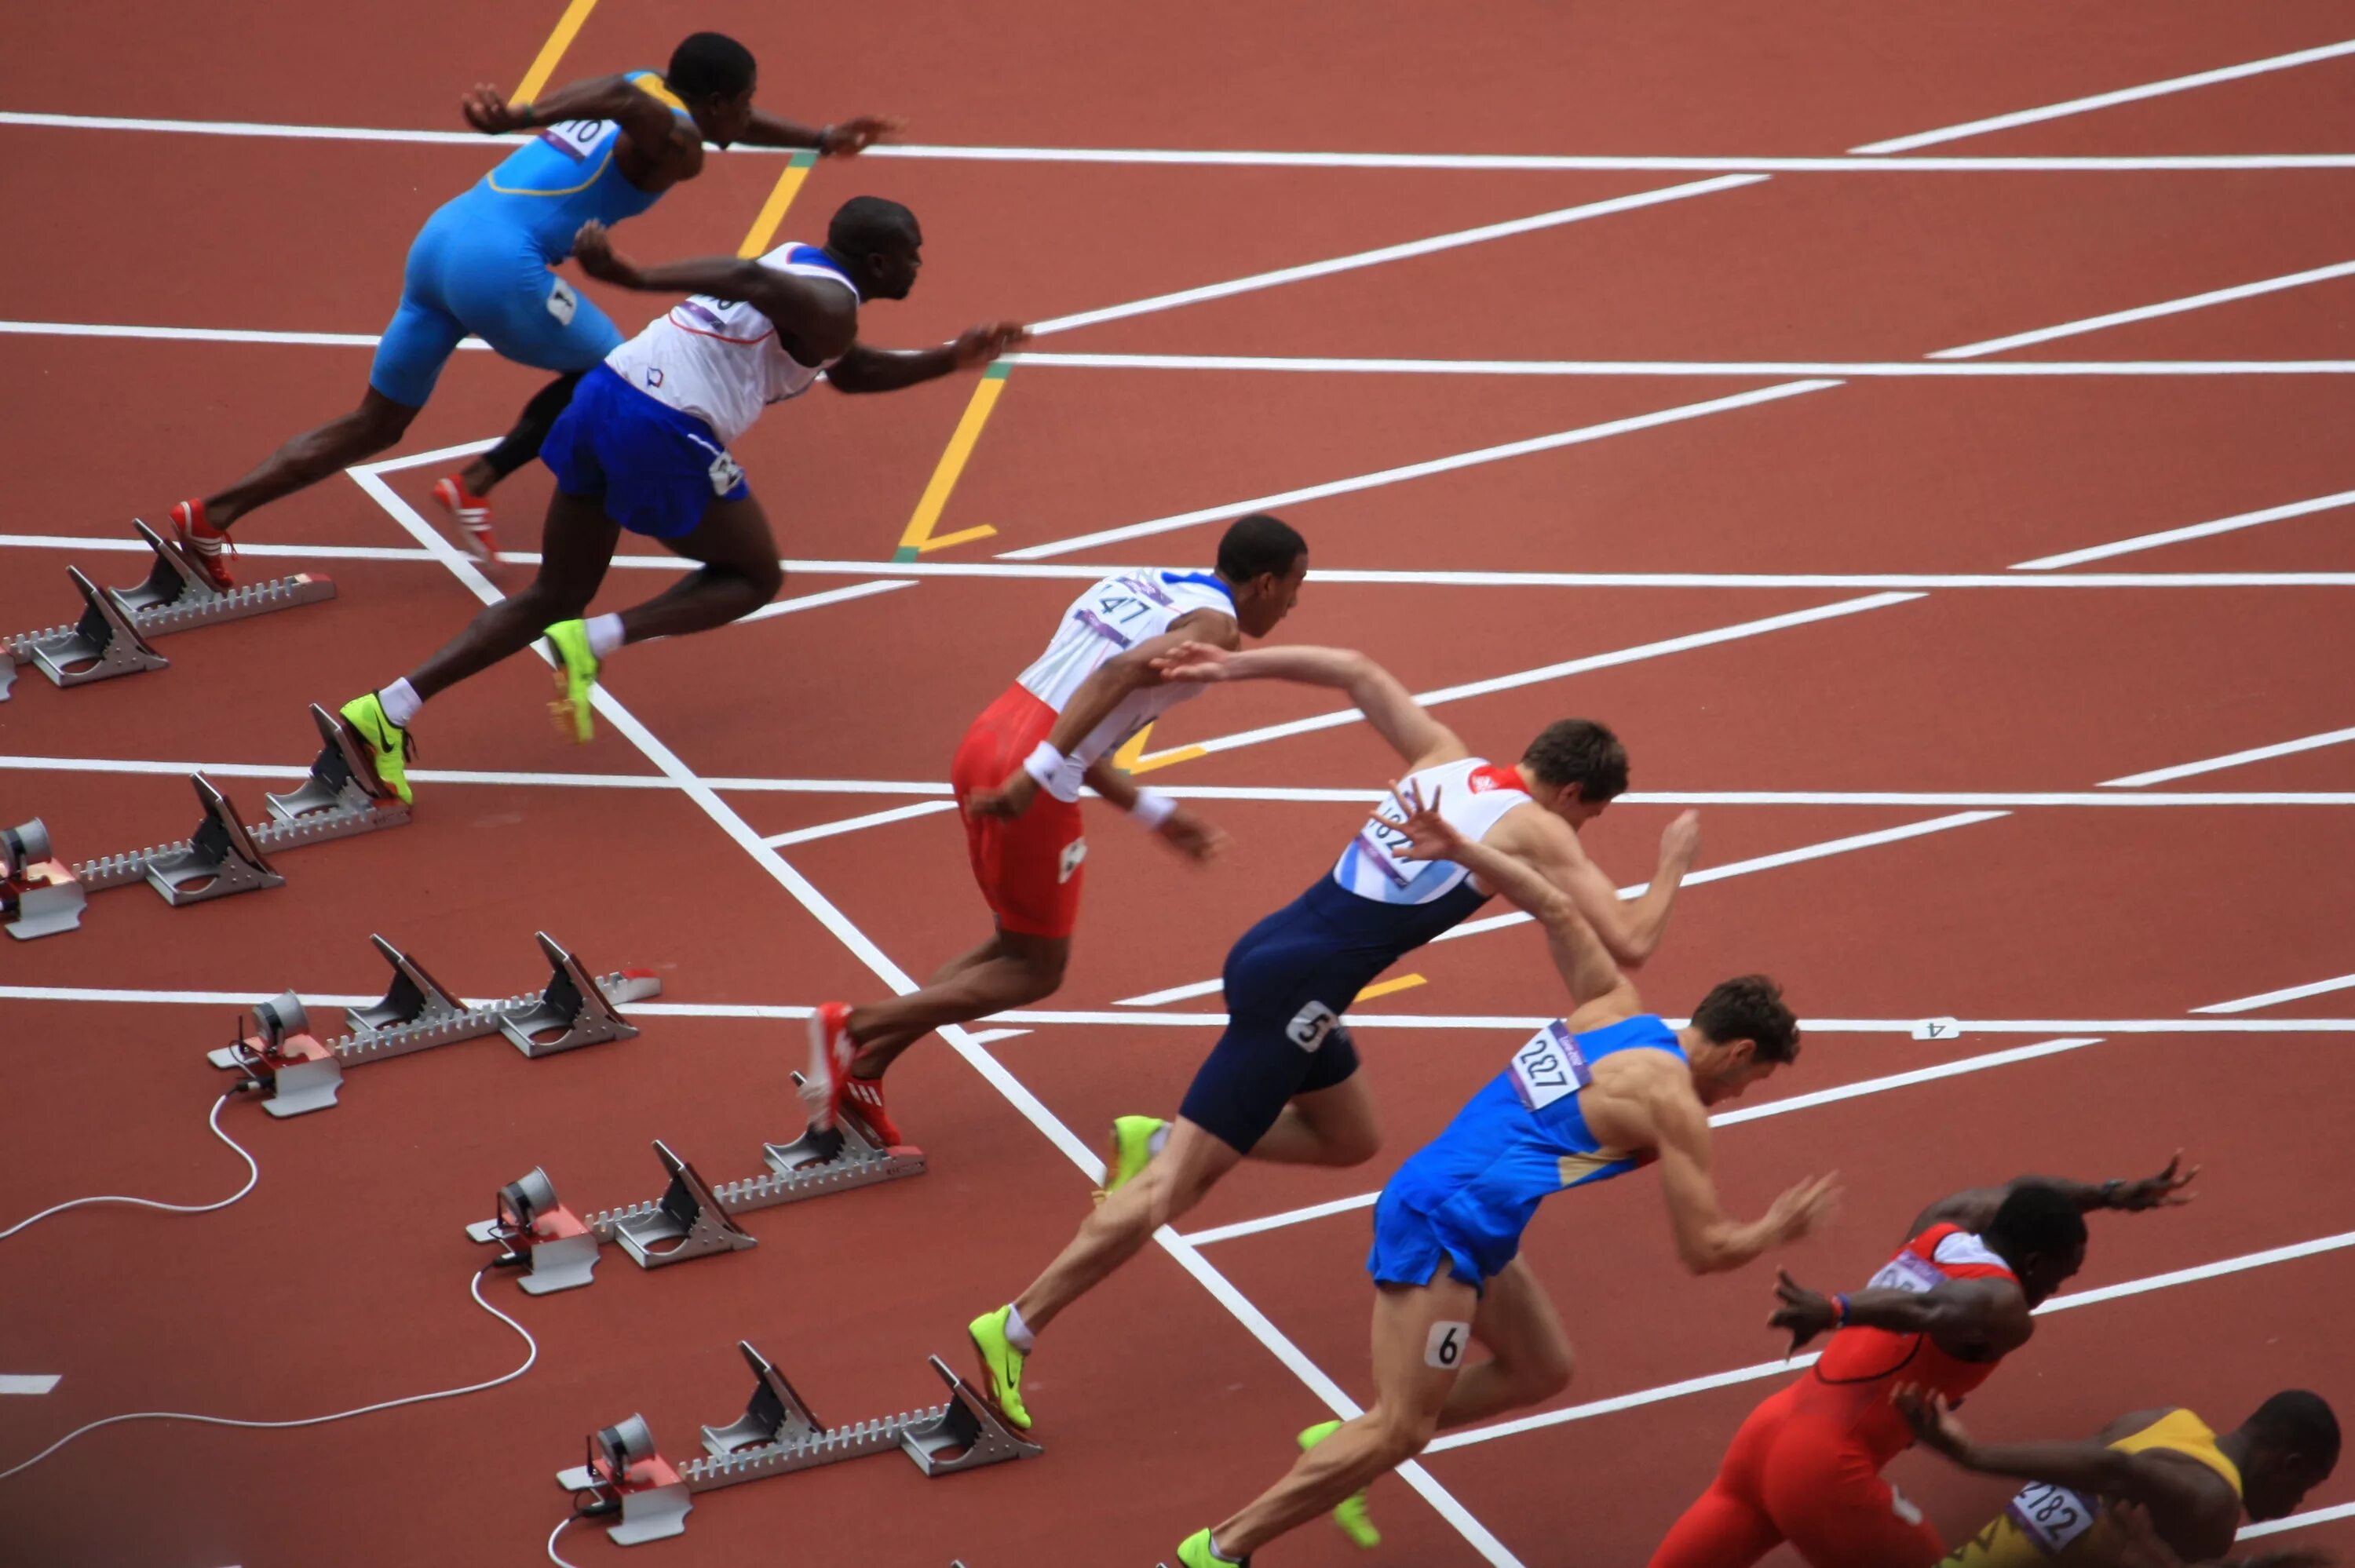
x=1054, y=730
x=1805, y=1467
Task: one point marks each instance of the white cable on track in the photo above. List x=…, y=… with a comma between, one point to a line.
x=475, y=1288
x=253, y=1174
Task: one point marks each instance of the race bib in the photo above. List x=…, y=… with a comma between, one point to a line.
x=1310, y=1026
x=562, y=301
x=574, y=137
x=1906, y=1272
x=2052, y=1517
x=726, y=476
x=1550, y=1068
x=1074, y=853
x=1385, y=846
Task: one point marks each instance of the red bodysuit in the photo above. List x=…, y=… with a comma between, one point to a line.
x=1805, y=1466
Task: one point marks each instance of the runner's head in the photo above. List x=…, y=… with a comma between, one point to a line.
x=1263, y=561
x=1741, y=1033
x=878, y=243
x=2293, y=1442
x=714, y=75
x=2040, y=1234
x=1574, y=768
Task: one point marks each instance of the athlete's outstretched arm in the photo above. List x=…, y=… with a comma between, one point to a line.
x=1190, y=835
x=1974, y=1209
x=1419, y=740
x=1708, y=1242
x=841, y=140
x=865, y=369
x=2089, y=1468
x=644, y=119
x=816, y=325
x=1989, y=1313
x=1630, y=928
x=1584, y=963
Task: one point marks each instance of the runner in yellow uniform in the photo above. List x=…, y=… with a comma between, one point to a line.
x=2195, y=1484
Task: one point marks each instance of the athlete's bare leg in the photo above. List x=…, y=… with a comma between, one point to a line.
x=1010, y=969
x=312, y=456
x=1188, y=1166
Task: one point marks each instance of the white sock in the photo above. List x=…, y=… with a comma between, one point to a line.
x=400, y=702
x=1160, y=1138
x=1218, y=1555
x=604, y=635
x=1017, y=1332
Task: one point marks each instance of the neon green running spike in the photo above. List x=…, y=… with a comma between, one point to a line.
x=576, y=678
x=1350, y=1515
x=1002, y=1363
x=1132, y=1147
x=387, y=742
x=1195, y=1552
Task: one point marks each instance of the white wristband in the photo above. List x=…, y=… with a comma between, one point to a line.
x=1044, y=764
x=1151, y=809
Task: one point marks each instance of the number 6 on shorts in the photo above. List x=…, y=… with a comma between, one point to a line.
x=1445, y=1348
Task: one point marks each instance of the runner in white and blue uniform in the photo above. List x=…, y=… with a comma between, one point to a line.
x=643, y=447
x=1588, y=1098
x=1281, y=1084
x=601, y=151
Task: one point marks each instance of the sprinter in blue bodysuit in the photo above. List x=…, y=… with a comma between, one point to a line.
x=605, y=149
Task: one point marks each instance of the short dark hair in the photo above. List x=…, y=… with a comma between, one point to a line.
x=1750, y=1007
x=866, y=224
x=2037, y=1218
x=708, y=64
x=2298, y=1421
x=1258, y=544
x=1580, y=752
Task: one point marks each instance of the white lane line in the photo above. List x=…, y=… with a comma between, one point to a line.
x=853, y=824
x=2273, y=998
x=1554, y=672
x=878, y=963
x=1848, y=369
x=1776, y=1368
x=2232, y=759
x=28, y=1382
x=1089, y=571
x=2192, y=531
x=2147, y=312
x=204, y=334
x=819, y=600
x=1579, y=436
x=1842, y=846
x=1220, y=158
x=1412, y=247
x=1726, y=1118
x=2107, y=100
x=2298, y=1521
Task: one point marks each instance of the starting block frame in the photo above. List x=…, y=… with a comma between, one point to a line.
x=693, y=1218
x=110, y=637
x=417, y=1013
x=776, y=1436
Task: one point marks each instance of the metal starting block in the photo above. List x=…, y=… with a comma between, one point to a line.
x=38, y=894
x=693, y=1218
x=776, y=1436
x=417, y=1014
x=533, y=1228
x=342, y=797
x=109, y=639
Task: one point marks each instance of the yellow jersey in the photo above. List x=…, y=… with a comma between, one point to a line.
x=2051, y=1527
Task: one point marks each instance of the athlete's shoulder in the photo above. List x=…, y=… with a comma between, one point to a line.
x=651, y=83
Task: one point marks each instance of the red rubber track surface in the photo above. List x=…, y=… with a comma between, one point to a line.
x=341, y=1279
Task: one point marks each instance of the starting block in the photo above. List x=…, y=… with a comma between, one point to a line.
x=38, y=894
x=776, y=1436
x=693, y=1218
x=532, y=1227
x=109, y=639
x=417, y=1014
x=342, y=797
x=302, y=1074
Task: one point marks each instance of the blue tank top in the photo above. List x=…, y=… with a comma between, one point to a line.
x=1524, y=1136
x=566, y=176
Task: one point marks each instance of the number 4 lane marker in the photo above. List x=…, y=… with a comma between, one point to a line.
x=27, y=1383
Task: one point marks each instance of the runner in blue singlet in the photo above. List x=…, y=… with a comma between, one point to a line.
x=1589, y=1097
x=603, y=150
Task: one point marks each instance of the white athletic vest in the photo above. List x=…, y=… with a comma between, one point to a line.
x=1471, y=796
x=720, y=360
x=1115, y=615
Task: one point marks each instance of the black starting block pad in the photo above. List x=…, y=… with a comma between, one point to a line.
x=343, y=797
x=693, y=1218
x=109, y=639
x=776, y=1436
x=298, y=1074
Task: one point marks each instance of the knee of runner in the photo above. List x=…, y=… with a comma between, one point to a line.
x=1545, y=1375
x=1402, y=1434
x=765, y=578
x=1355, y=1146
x=384, y=422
